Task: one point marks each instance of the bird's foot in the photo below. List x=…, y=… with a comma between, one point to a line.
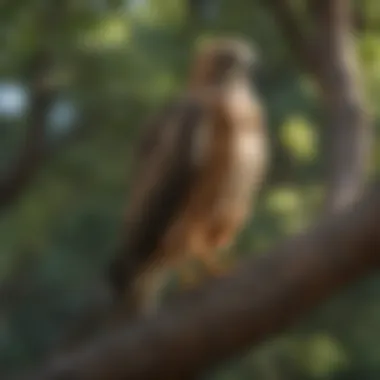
x=189, y=282
x=218, y=268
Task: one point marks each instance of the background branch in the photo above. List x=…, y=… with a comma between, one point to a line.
x=328, y=54
x=42, y=94
x=33, y=152
x=302, y=44
x=349, y=127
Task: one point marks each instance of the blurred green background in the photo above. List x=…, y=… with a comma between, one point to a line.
x=112, y=63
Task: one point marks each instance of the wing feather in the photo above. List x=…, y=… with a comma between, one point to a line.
x=162, y=184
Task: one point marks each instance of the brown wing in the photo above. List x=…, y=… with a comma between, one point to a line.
x=161, y=185
x=151, y=134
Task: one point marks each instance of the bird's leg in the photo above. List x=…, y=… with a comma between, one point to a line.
x=219, y=242
x=215, y=267
x=188, y=276
x=147, y=290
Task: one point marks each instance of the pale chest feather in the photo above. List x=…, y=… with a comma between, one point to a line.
x=247, y=166
x=246, y=147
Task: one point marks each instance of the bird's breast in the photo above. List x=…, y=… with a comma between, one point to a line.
x=247, y=161
x=247, y=147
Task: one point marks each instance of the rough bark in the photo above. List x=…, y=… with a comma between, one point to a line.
x=348, y=124
x=328, y=54
x=261, y=299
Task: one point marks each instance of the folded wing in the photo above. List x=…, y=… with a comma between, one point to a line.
x=164, y=173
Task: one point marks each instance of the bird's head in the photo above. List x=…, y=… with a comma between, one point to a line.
x=219, y=60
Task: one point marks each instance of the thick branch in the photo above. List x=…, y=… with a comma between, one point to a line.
x=348, y=124
x=261, y=299
x=331, y=59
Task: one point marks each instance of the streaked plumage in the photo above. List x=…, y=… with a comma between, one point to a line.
x=198, y=168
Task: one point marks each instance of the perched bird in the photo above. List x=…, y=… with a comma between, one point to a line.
x=199, y=165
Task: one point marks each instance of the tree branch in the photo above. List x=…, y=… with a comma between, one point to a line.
x=263, y=297
x=349, y=127
x=41, y=97
x=331, y=59
x=23, y=170
x=303, y=46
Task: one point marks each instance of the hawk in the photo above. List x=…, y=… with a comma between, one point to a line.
x=199, y=164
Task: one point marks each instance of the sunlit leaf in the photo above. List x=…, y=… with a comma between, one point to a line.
x=320, y=355
x=300, y=137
